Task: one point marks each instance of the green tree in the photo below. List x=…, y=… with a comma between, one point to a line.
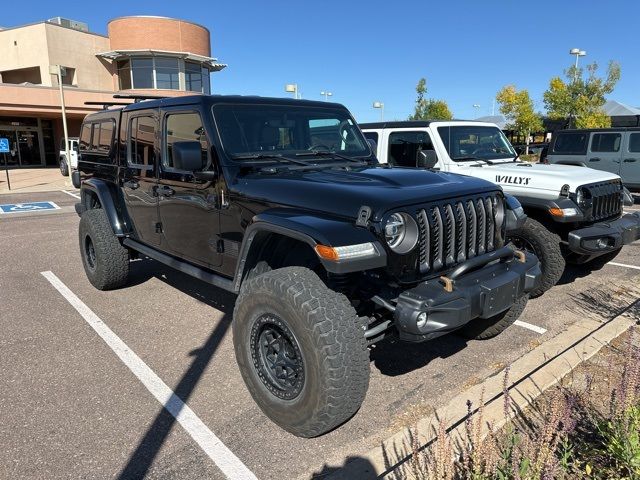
x=428, y=108
x=517, y=107
x=581, y=99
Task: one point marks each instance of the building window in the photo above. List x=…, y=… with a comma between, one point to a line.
x=162, y=73
x=124, y=74
x=142, y=72
x=167, y=73
x=193, y=76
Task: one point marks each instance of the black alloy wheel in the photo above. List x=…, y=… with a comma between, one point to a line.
x=276, y=357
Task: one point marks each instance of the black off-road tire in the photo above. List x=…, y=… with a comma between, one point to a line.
x=484, y=328
x=546, y=246
x=63, y=167
x=105, y=260
x=334, y=374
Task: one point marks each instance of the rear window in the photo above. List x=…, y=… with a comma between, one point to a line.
x=606, y=142
x=570, y=143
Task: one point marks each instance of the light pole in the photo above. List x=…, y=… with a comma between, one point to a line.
x=578, y=53
x=292, y=88
x=477, y=107
x=326, y=95
x=380, y=105
x=60, y=72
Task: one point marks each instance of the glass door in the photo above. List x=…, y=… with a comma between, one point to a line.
x=29, y=148
x=13, y=157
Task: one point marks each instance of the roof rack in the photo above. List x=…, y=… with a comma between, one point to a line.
x=138, y=97
x=106, y=105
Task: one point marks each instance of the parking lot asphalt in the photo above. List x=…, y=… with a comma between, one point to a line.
x=72, y=409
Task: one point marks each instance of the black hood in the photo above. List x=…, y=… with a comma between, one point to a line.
x=342, y=193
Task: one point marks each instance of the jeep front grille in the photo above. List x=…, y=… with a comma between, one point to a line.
x=453, y=232
x=606, y=199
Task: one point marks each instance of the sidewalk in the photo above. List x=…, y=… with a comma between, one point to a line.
x=34, y=180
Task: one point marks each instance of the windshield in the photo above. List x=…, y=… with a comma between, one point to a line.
x=287, y=130
x=468, y=142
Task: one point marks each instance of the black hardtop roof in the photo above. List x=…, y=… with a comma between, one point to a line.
x=216, y=99
x=589, y=130
x=409, y=123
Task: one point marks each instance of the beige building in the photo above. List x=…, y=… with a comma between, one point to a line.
x=148, y=55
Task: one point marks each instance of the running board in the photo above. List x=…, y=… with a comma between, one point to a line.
x=180, y=265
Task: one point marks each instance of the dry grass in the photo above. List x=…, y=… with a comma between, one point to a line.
x=589, y=429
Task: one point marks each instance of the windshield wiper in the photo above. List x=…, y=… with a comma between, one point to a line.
x=322, y=153
x=488, y=162
x=267, y=156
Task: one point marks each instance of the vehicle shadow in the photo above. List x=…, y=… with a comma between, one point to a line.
x=353, y=468
x=573, y=272
x=142, y=458
x=393, y=357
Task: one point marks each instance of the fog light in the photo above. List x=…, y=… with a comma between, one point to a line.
x=422, y=320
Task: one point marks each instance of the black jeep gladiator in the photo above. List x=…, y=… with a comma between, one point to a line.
x=284, y=203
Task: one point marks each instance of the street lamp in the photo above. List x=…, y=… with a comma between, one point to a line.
x=477, y=107
x=380, y=105
x=60, y=72
x=326, y=95
x=292, y=88
x=578, y=53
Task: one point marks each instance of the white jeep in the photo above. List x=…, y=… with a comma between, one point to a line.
x=575, y=213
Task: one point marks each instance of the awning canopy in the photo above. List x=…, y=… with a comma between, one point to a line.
x=617, y=109
x=209, y=62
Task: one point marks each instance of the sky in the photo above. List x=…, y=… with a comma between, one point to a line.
x=366, y=51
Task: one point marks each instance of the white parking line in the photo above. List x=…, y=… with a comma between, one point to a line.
x=227, y=462
x=623, y=265
x=71, y=193
x=531, y=327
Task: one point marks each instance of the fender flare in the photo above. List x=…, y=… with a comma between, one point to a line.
x=312, y=231
x=107, y=196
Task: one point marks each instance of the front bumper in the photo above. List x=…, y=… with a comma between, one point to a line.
x=605, y=237
x=481, y=288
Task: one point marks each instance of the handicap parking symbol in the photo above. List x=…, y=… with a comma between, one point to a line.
x=4, y=145
x=27, y=207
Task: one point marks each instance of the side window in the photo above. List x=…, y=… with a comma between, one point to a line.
x=95, y=135
x=371, y=136
x=634, y=142
x=404, y=147
x=142, y=132
x=106, y=136
x=570, y=143
x=85, y=136
x=184, y=127
x=605, y=142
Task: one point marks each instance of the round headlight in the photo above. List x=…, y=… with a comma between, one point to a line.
x=401, y=232
x=582, y=197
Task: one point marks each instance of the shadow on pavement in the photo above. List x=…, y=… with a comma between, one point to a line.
x=147, y=450
x=393, y=357
x=354, y=468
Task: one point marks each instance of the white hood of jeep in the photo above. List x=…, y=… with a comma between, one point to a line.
x=535, y=179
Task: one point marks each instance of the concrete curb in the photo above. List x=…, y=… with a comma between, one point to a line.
x=530, y=376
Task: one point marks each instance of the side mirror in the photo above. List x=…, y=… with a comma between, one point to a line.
x=426, y=159
x=374, y=146
x=187, y=156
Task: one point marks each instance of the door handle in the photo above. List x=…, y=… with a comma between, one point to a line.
x=164, y=191
x=132, y=184
x=594, y=159
x=629, y=160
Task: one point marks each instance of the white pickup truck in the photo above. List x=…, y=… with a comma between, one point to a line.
x=575, y=213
